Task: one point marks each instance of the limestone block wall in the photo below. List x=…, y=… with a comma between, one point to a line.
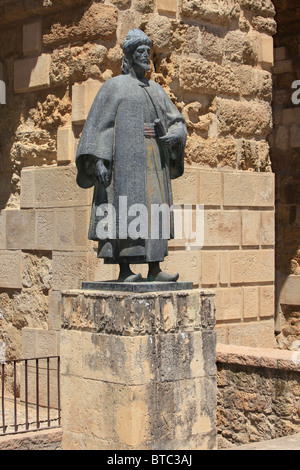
x=214, y=59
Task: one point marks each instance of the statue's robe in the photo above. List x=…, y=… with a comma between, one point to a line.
x=140, y=167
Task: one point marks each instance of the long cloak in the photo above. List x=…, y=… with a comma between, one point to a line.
x=140, y=167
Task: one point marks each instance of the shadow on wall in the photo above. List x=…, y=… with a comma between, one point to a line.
x=285, y=153
x=5, y=187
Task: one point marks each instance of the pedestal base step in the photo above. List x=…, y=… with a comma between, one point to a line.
x=142, y=286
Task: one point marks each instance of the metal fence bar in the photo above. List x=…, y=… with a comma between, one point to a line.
x=15, y=397
x=37, y=393
x=26, y=395
x=58, y=389
x=48, y=390
x=2, y=391
x=15, y=426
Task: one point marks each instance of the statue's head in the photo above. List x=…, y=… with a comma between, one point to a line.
x=136, y=51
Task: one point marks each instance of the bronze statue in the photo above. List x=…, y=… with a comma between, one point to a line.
x=132, y=145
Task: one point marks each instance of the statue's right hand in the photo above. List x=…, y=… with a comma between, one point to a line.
x=102, y=173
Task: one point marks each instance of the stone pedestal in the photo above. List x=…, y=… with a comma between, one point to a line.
x=138, y=370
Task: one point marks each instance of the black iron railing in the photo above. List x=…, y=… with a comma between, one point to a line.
x=30, y=394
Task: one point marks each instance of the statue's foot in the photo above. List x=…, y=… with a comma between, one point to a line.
x=130, y=277
x=162, y=277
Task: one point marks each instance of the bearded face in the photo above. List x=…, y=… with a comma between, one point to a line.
x=141, y=57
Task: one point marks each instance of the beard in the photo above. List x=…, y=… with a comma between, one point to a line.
x=143, y=65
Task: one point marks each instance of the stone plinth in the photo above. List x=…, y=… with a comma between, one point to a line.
x=138, y=370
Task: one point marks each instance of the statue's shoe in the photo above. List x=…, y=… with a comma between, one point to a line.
x=163, y=277
x=131, y=278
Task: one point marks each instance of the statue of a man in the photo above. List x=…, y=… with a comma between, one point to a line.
x=132, y=145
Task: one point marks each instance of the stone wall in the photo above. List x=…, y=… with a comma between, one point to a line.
x=258, y=394
x=35, y=440
x=214, y=59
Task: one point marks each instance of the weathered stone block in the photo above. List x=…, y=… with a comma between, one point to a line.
x=64, y=229
x=266, y=50
x=71, y=228
x=185, y=262
x=224, y=267
x=32, y=74
x=222, y=228
x=290, y=291
x=185, y=189
x=47, y=343
x=203, y=76
x=69, y=270
x=32, y=38
x=27, y=188
x=97, y=270
x=37, y=342
x=254, y=334
x=131, y=362
x=249, y=189
x=210, y=188
x=229, y=304
x=20, y=229
x=81, y=217
x=251, y=306
x=198, y=75
x=252, y=266
x=71, y=349
x=169, y=6
x=264, y=8
x=188, y=228
x=65, y=144
x=267, y=301
x=127, y=417
x=11, y=269
x=96, y=21
x=209, y=268
x=267, y=228
x=83, y=95
x=217, y=12
x=79, y=114
x=29, y=343
x=2, y=230
x=54, y=317
x=56, y=187
x=45, y=222
x=251, y=228
x=243, y=118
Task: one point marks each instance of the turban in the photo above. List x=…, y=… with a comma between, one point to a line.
x=135, y=38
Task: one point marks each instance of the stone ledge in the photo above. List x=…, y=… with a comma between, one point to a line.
x=49, y=439
x=258, y=357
